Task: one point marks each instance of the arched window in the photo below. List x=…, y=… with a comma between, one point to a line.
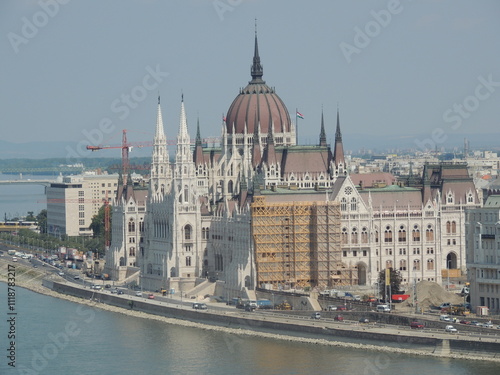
x=230, y=187
x=402, y=234
x=188, y=261
x=448, y=227
x=354, y=236
x=430, y=264
x=388, y=234
x=354, y=204
x=187, y=232
x=186, y=195
x=402, y=265
x=376, y=235
x=131, y=225
x=416, y=234
x=453, y=227
x=131, y=252
x=429, y=233
x=344, y=236
x=343, y=204
x=364, y=235
x=416, y=265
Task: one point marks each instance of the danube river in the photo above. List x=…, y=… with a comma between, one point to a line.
x=58, y=337
x=16, y=199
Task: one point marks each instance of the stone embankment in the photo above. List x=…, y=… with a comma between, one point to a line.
x=239, y=325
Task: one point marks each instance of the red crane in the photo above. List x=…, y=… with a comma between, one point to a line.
x=126, y=148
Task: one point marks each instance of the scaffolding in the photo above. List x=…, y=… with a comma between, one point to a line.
x=297, y=245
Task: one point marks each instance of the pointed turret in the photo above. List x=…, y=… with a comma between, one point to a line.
x=269, y=156
x=322, y=134
x=257, y=70
x=256, y=155
x=198, y=150
x=160, y=132
x=160, y=168
x=338, y=153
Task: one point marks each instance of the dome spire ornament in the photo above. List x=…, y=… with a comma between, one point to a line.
x=257, y=70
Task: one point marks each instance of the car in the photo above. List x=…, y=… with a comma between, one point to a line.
x=60, y=273
x=341, y=308
x=464, y=322
x=200, y=306
x=120, y=292
x=332, y=308
x=364, y=320
x=498, y=327
x=107, y=286
x=487, y=325
x=114, y=291
x=14, y=259
x=151, y=296
x=338, y=318
x=383, y=308
x=475, y=323
x=451, y=329
x=445, y=318
x=416, y=325
x=35, y=266
x=315, y=315
x=138, y=294
x=76, y=277
x=445, y=305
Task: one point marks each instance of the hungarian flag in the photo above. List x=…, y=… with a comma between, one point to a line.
x=300, y=115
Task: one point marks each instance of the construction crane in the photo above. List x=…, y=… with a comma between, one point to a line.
x=126, y=147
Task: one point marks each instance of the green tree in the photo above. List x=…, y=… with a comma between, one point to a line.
x=97, y=227
x=395, y=281
x=30, y=216
x=41, y=218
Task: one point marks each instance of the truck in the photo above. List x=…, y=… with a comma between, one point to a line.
x=399, y=297
x=264, y=304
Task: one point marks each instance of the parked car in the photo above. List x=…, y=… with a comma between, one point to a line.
x=60, y=273
x=445, y=305
x=76, y=277
x=364, y=320
x=151, y=296
x=451, y=329
x=416, y=325
x=338, y=318
x=315, y=315
x=332, y=308
x=138, y=294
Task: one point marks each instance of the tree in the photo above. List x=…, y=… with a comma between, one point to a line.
x=41, y=218
x=395, y=282
x=97, y=226
x=30, y=216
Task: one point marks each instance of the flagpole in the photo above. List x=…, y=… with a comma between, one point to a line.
x=296, y=126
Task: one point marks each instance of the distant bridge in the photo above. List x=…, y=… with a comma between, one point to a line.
x=27, y=182
x=61, y=169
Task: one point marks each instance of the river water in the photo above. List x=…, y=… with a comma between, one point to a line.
x=58, y=337
x=16, y=199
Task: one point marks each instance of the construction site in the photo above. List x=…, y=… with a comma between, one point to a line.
x=298, y=245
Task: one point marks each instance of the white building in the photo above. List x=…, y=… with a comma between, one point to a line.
x=72, y=203
x=483, y=254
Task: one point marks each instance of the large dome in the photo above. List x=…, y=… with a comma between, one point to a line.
x=257, y=103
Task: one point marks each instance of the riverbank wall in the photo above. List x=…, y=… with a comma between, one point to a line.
x=432, y=344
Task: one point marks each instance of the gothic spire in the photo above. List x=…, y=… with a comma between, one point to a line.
x=160, y=133
x=256, y=70
x=322, y=134
x=198, y=150
x=338, y=153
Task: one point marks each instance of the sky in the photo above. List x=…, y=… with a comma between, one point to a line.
x=412, y=71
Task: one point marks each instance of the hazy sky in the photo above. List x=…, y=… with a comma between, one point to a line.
x=83, y=70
